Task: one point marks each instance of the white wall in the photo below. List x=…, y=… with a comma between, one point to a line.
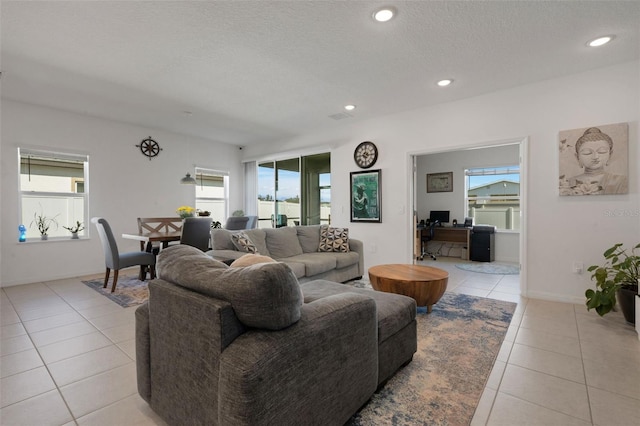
x=123, y=184
x=507, y=245
x=561, y=230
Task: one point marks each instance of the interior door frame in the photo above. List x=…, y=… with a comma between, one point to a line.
x=523, y=143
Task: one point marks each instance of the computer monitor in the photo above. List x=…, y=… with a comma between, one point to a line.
x=441, y=216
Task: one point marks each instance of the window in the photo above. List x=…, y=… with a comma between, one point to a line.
x=53, y=185
x=294, y=191
x=493, y=196
x=212, y=193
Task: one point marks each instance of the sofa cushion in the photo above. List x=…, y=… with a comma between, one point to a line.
x=334, y=239
x=395, y=311
x=283, y=242
x=309, y=237
x=221, y=240
x=344, y=260
x=266, y=295
x=250, y=259
x=258, y=237
x=314, y=263
x=243, y=243
x=299, y=269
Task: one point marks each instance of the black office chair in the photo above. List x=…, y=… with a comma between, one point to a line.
x=425, y=238
x=196, y=232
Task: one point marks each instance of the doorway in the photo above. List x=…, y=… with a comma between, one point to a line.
x=510, y=244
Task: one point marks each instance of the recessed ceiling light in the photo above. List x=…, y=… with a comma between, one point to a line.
x=349, y=107
x=600, y=41
x=445, y=82
x=384, y=14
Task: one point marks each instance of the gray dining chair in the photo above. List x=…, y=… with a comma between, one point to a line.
x=196, y=232
x=252, y=223
x=235, y=223
x=116, y=260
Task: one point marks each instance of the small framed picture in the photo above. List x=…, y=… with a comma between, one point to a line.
x=365, y=196
x=440, y=182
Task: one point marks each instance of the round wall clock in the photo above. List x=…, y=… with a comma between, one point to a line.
x=149, y=148
x=365, y=155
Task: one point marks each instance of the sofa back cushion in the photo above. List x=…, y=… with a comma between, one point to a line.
x=258, y=238
x=309, y=237
x=265, y=295
x=221, y=240
x=283, y=242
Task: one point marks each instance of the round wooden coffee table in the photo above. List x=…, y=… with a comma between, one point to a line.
x=425, y=284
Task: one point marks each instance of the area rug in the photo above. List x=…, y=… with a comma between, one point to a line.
x=458, y=343
x=489, y=268
x=130, y=291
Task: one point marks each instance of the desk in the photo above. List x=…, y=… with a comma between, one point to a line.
x=444, y=233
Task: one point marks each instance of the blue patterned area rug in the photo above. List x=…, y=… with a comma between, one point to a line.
x=490, y=268
x=130, y=291
x=458, y=343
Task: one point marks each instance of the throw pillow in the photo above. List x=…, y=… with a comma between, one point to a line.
x=334, y=239
x=243, y=243
x=250, y=259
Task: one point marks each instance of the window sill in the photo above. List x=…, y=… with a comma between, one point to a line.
x=51, y=240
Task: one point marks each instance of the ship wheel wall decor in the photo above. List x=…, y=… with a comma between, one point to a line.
x=149, y=148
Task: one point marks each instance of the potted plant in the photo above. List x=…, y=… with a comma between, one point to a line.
x=185, y=211
x=238, y=213
x=618, y=276
x=74, y=229
x=43, y=223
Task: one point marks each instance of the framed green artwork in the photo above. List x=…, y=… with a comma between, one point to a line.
x=365, y=196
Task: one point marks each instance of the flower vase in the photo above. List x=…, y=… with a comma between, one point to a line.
x=44, y=237
x=74, y=236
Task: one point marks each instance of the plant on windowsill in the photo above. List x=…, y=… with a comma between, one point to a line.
x=74, y=229
x=618, y=276
x=43, y=223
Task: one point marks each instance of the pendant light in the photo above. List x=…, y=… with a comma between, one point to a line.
x=188, y=180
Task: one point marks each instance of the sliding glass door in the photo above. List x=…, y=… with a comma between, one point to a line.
x=294, y=191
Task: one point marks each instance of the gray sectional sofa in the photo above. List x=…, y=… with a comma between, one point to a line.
x=219, y=345
x=297, y=247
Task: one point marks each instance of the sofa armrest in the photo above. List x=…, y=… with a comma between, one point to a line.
x=320, y=370
x=358, y=247
x=143, y=354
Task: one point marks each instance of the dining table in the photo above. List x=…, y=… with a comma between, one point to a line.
x=163, y=237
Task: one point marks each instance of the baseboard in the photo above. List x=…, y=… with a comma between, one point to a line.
x=75, y=274
x=553, y=297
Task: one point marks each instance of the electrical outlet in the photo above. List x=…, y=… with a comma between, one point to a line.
x=578, y=267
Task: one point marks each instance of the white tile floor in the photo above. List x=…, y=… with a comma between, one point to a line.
x=68, y=358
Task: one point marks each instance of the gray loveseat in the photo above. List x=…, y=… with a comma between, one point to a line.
x=242, y=346
x=297, y=246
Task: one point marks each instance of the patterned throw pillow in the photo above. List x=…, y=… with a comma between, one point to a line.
x=334, y=239
x=243, y=243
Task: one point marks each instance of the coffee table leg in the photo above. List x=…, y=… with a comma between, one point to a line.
x=429, y=308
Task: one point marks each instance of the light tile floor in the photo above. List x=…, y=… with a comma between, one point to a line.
x=68, y=358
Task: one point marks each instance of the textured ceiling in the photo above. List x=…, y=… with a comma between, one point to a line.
x=262, y=71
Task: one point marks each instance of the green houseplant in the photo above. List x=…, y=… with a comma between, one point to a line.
x=74, y=229
x=618, y=276
x=43, y=223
